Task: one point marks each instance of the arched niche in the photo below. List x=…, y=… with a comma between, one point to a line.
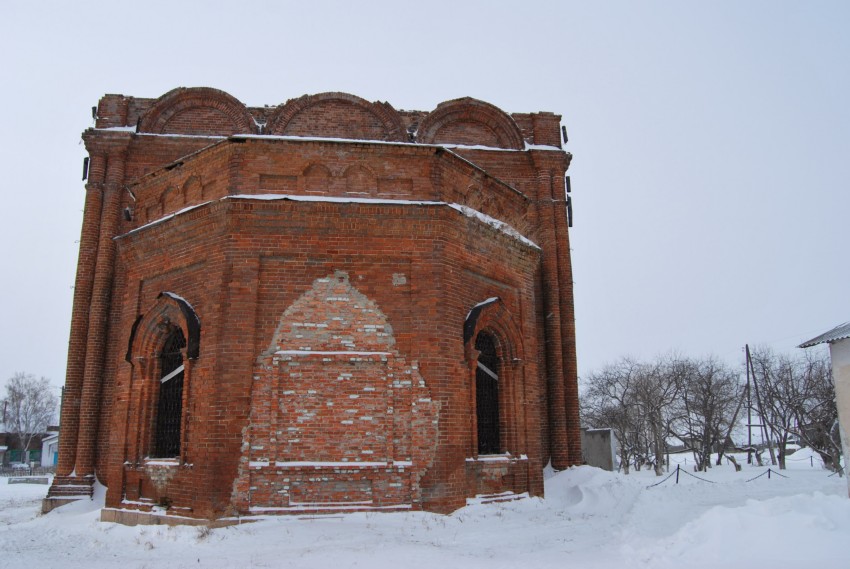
x=193, y=190
x=469, y=121
x=317, y=178
x=360, y=180
x=197, y=111
x=337, y=115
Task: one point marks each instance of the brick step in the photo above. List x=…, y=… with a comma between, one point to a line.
x=67, y=486
x=495, y=498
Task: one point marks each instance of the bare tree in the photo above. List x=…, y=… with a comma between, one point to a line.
x=634, y=399
x=798, y=402
x=816, y=414
x=608, y=401
x=707, y=409
x=657, y=387
x=30, y=407
x=775, y=379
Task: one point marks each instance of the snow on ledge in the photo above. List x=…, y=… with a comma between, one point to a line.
x=330, y=199
x=465, y=210
x=165, y=218
x=447, y=145
x=118, y=129
x=326, y=464
x=305, y=507
x=215, y=136
x=161, y=462
x=501, y=226
x=328, y=353
x=480, y=499
x=497, y=458
x=543, y=147
x=493, y=222
x=293, y=138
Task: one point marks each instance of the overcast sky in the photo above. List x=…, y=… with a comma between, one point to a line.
x=711, y=142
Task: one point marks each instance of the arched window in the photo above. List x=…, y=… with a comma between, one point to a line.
x=170, y=407
x=487, y=394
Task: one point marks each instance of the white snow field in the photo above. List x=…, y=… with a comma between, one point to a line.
x=589, y=518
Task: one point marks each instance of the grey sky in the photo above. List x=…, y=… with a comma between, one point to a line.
x=711, y=144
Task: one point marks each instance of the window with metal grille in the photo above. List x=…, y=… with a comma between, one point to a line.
x=170, y=406
x=487, y=394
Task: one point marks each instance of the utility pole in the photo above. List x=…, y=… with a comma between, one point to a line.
x=764, y=430
x=749, y=413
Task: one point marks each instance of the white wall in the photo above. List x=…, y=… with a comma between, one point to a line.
x=840, y=353
x=48, y=448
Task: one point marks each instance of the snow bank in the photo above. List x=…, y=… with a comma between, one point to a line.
x=589, y=519
x=588, y=490
x=794, y=531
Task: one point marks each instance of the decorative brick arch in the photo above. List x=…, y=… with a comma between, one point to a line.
x=492, y=314
x=197, y=110
x=492, y=318
x=316, y=178
x=360, y=179
x=193, y=189
x=355, y=118
x=317, y=169
x=470, y=121
x=151, y=328
x=172, y=199
x=170, y=314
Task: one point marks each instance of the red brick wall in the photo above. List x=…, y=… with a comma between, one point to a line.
x=265, y=431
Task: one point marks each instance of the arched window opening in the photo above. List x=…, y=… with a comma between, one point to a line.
x=487, y=394
x=170, y=406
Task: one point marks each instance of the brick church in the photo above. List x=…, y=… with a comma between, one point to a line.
x=327, y=305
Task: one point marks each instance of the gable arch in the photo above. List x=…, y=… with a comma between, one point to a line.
x=199, y=111
x=337, y=115
x=150, y=330
x=470, y=121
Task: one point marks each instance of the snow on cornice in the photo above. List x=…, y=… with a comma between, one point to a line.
x=162, y=219
x=329, y=199
x=465, y=210
x=118, y=129
x=493, y=222
x=501, y=226
x=294, y=138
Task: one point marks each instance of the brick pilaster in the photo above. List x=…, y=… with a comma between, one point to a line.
x=115, y=148
x=71, y=397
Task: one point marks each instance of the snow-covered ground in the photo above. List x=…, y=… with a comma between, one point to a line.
x=590, y=518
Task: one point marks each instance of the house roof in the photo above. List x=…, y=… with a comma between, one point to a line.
x=840, y=332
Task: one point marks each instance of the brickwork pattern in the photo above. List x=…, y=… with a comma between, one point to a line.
x=261, y=232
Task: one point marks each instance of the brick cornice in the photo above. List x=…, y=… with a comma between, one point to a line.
x=106, y=143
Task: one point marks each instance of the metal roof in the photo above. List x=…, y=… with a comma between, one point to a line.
x=840, y=332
